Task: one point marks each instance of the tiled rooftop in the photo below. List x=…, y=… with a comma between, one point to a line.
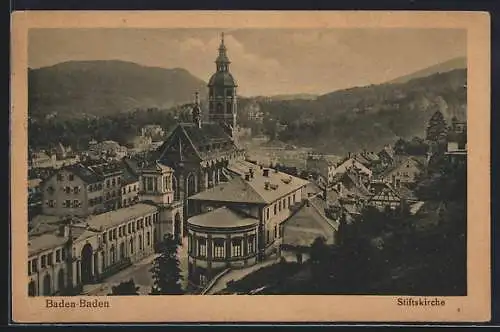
x=43, y=242
x=223, y=218
x=112, y=218
x=255, y=190
x=307, y=224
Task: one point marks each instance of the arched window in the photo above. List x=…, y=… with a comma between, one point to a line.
x=31, y=288
x=140, y=242
x=219, y=248
x=122, y=250
x=103, y=261
x=132, y=246
x=236, y=247
x=112, y=254
x=60, y=280
x=47, y=285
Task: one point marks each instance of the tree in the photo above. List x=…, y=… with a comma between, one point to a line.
x=400, y=147
x=318, y=251
x=125, y=288
x=166, y=271
x=321, y=265
x=437, y=128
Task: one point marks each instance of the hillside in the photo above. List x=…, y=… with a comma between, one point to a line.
x=457, y=63
x=74, y=88
x=301, y=96
x=369, y=117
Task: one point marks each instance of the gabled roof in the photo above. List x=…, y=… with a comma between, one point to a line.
x=235, y=190
x=240, y=190
x=406, y=193
x=128, y=176
x=387, y=151
x=386, y=194
x=131, y=164
x=85, y=173
x=307, y=224
x=352, y=162
x=43, y=242
x=359, y=188
x=41, y=224
x=356, y=188
x=223, y=217
x=200, y=138
x=371, y=156
x=398, y=162
x=362, y=159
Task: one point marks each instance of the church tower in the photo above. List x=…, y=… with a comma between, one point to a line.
x=222, y=99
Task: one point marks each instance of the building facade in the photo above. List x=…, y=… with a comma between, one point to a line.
x=220, y=239
x=404, y=171
x=322, y=165
x=152, y=130
x=41, y=159
x=67, y=253
x=111, y=173
x=62, y=261
x=264, y=198
x=386, y=198
x=72, y=191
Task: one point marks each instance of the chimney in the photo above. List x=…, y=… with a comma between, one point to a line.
x=265, y=172
x=251, y=172
x=266, y=185
x=276, y=170
x=247, y=177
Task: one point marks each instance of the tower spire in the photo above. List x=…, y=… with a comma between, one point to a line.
x=196, y=112
x=222, y=60
x=196, y=98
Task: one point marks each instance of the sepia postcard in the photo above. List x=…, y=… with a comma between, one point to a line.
x=219, y=166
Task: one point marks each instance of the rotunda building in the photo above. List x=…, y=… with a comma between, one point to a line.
x=220, y=239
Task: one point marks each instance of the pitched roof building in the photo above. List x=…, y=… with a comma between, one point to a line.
x=403, y=170
x=257, y=199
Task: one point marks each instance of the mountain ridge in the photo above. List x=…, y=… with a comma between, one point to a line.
x=105, y=87
x=442, y=67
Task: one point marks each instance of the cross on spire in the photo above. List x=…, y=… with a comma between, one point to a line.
x=222, y=60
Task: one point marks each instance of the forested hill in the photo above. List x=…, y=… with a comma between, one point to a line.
x=372, y=116
x=76, y=88
x=457, y=63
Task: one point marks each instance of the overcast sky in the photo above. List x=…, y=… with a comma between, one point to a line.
x=264, y=62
